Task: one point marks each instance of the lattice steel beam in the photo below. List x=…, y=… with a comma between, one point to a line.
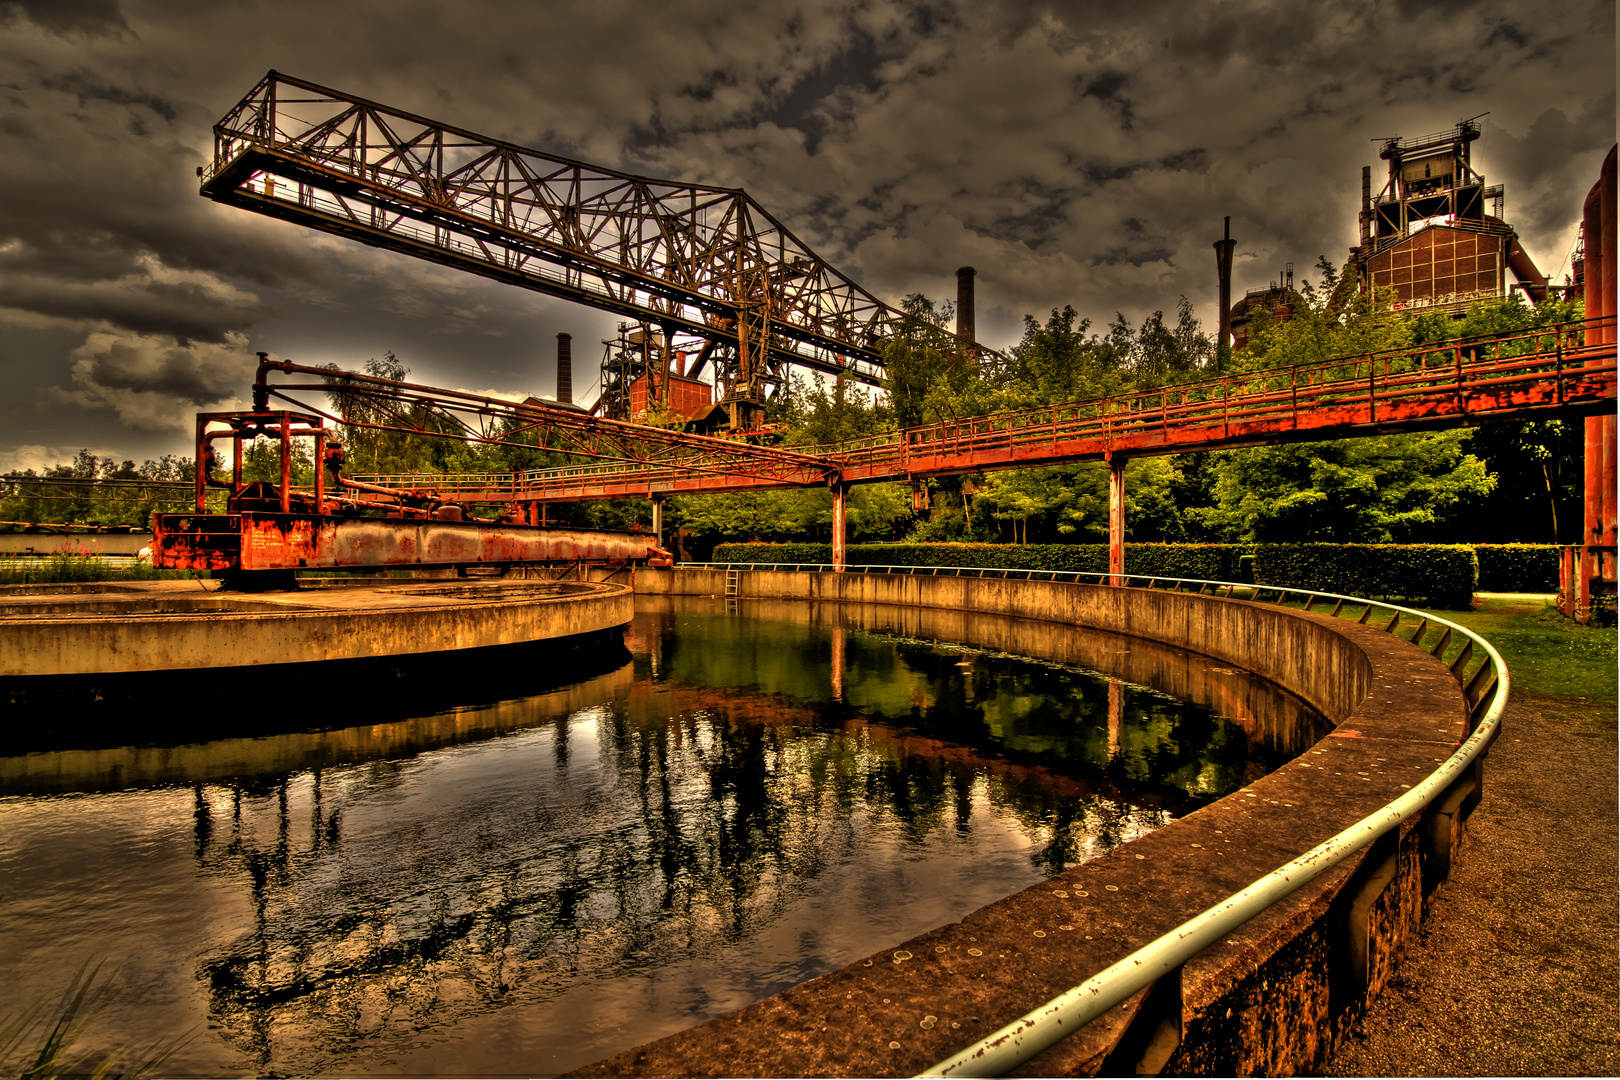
x=691, y=258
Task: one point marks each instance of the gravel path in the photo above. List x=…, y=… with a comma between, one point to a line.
x=1516, y=971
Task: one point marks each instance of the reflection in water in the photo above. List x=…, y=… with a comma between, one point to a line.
x=528, y=886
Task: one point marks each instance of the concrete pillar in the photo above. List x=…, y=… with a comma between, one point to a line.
x=1116, y=519
x=658, y=519
x=839, y=491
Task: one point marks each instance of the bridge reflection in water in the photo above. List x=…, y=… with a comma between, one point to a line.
x=530, y=885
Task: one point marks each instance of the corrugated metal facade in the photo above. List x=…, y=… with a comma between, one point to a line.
x=1441, y=265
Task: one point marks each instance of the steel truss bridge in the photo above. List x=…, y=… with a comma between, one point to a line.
x=704, y=264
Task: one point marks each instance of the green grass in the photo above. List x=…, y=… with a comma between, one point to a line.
x=1546, y=654
x=71, y=566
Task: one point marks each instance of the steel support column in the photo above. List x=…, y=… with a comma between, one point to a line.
x=1116, y=519
x=839, y=491
x=1596, y=555
x=658, y=519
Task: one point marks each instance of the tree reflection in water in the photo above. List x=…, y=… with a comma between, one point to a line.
x=753, y=802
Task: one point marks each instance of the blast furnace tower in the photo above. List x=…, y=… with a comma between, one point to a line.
x=1435, y=233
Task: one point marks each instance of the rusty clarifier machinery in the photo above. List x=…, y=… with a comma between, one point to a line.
x=77, y=657
x=272, y=529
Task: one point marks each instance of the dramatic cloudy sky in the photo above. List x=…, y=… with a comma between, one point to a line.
x=1076, y=153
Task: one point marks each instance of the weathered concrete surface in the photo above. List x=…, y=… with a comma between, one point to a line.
x=176, y=626
x=1270, y=999
x=1515, y=972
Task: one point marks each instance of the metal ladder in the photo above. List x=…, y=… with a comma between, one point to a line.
x=733, y=590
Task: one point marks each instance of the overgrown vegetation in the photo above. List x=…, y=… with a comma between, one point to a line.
x=1445, y=575
x=1193, y=561
x=99, y=491
x=1505, y=483
x=72, y=566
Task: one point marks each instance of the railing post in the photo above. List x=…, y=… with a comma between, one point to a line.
x=1116, y=518
x=1462, y=404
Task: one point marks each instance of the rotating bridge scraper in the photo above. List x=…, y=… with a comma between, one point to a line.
x=706, y=267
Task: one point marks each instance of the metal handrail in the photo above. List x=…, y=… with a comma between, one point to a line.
x=1041, y=1028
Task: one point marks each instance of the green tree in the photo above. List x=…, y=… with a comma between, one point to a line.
x=917, y=358
x=262, y=462
x=1159, y=353
x=365, y=416
x=1328, y=322
x=1387, y=488
x=1057, y=361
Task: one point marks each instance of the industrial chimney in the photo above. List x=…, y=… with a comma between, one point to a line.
x=1223, y=266
x=964, y=303
x=565, y=368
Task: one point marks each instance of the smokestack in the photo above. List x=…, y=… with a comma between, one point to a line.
x=1366, y=204
x=964, y=303
x=565, y=368
x=1223, y=266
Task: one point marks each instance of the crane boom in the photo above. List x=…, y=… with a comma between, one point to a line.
x=687, y=258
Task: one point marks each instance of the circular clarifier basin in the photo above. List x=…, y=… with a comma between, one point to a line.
x=526, y=882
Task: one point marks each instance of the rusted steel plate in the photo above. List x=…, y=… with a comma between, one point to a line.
x=296, y=541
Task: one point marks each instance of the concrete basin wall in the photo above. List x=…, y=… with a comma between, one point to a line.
x=173, y=626
x=1307, y=657
x=1273, y=998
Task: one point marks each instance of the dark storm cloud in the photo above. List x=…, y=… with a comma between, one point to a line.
x=100, y=188
x=88, y=87
x=196, y=376
x=188, y=310
x=1077, y=153
x=94, y=18
x=151, y=383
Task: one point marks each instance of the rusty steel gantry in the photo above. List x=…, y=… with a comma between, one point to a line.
x=706, y=268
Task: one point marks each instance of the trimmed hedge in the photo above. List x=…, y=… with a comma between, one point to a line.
x=1445, y=575
x=1440, y=575
x=1198, y=561
x=772, y=553
x=1518, y=567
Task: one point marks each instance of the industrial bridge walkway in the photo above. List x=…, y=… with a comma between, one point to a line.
x=1461, y=383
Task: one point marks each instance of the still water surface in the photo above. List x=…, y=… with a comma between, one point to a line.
x=739, y=802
